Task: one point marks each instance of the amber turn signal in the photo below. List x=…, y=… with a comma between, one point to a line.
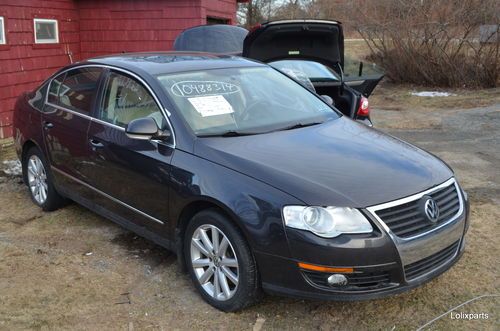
x=320, y=268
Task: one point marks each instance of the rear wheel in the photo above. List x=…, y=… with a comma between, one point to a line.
x=220, y=262
x=39, y=181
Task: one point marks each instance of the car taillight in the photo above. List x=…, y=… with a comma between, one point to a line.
x=364, y=107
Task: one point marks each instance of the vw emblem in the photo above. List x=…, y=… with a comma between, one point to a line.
x=431, y=209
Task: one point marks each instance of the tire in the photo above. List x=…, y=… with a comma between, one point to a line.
x=40, y=182
x=236, y=258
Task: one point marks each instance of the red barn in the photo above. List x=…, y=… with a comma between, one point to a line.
x=37, y=37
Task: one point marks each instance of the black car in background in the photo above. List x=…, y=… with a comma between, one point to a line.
x=252, y=179
x=310, y=51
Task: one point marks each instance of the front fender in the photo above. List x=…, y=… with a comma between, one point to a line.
x=254, y=206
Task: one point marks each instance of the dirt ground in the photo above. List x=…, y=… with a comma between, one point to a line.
x=72, y=269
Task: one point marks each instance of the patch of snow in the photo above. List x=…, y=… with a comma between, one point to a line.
x=12, y=167
x=432, y=94
x=259, y=323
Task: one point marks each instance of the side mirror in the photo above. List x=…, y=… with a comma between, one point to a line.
x=145, y=129
x=328, y=99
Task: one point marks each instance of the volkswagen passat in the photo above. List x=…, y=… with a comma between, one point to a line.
x=255, y=182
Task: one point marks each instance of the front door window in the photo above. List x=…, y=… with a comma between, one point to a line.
x=125, y=100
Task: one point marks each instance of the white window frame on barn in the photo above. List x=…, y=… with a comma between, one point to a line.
x=3, y=41
x=56, y=30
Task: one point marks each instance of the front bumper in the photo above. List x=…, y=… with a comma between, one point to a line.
x=314, y=293
x=384, y=264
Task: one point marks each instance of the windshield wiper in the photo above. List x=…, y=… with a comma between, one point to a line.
x=234, y=133
x=231, y=133
x=299, y=125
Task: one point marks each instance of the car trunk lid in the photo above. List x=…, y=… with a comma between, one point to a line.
x=314, y=40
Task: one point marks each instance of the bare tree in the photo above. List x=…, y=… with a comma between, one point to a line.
x=291, y=9
x=255, y=11
x=427, y=42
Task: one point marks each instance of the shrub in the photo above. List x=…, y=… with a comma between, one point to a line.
x=431, y=42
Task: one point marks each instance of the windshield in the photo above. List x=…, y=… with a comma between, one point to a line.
x=313, y=70
x=246, y=100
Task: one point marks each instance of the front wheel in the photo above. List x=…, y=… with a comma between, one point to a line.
x=220, y=262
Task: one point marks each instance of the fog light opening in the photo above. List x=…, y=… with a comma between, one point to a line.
x=337, y=280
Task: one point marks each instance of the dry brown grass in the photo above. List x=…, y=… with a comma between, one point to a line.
x=47, y=282
x=399, y=97
x=396, y=97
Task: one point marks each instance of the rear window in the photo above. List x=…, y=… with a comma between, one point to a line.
x=75, y=90
x=54, y=89
x=313, y=70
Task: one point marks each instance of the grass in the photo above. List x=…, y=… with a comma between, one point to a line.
x=47, y=281
x=356, y=51
x=398, y=96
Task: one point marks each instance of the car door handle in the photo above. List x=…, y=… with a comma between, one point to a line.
x=48, y=125
x=96, y=143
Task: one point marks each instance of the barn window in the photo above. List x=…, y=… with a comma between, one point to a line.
x=46, y=31
x=217, y=20
x=2, y=31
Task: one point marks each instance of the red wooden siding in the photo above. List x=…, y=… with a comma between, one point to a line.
x=89, y=28
x=115, y=26
x=24, y=64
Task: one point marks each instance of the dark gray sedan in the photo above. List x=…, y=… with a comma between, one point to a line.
x=255, y=181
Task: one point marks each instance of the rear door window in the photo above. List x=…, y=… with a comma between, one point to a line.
x=76, y=90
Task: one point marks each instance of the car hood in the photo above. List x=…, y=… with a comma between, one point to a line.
x=340, y=163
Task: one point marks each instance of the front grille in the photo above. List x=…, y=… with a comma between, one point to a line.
x=406, y=220
x=416, y=269
x=356, y=282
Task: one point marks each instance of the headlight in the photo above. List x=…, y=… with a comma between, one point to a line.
x=326, y=222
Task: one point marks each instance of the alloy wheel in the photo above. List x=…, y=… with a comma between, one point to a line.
x=37, y=179
x=214, y=262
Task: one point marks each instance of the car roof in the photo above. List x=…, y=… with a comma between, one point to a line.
x=156, y=63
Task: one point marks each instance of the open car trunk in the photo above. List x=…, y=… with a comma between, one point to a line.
x=319, y=41
x=310, y=40
x=345, y=100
